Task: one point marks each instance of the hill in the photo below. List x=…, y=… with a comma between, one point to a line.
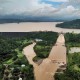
x=74, y=24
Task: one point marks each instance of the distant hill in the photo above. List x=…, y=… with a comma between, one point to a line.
x=8, y=20
x=74, y=24
x=20, y=18
x=2, y=21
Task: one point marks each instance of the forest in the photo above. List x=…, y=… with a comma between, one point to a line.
x=74, y=24
x=14, y=64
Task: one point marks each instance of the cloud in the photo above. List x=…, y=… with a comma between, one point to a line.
x=0, y=8
x=44, y=10
x=70, y=9
x=68, y=13
x=26, y=6
x=75, y=3
x=58, y=0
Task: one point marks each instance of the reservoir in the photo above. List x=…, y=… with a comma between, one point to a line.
x=34, y=26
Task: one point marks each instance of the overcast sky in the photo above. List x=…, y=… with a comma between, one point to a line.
x=59, y=9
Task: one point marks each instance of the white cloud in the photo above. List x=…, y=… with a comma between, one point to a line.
x=59, y=0
x=0, y=8
x=37, y=8
x=69, y=12
x=44, y=10
x=75, y=3
x=28, y=7
x=70, y=9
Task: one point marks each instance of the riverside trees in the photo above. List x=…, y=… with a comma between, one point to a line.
x=74, y=24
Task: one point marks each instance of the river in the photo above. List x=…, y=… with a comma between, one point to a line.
x=34, y=26
x=47, y=69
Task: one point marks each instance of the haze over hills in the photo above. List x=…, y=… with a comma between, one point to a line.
x=16, y=19
x=74, y=24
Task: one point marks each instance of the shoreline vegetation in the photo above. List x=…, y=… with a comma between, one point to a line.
x=72, y=71
x=74, y=24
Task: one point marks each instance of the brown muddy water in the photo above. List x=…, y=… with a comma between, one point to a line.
x=47, y=69
x=34, y=26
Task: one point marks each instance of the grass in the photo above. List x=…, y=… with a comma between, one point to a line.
x=19, y=53
x=10, y=61
x=76, y=67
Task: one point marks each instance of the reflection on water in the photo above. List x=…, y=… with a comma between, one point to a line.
x=74, y=49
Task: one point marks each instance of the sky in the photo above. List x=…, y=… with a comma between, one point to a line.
x=52, y=9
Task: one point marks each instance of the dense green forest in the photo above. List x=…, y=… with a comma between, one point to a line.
x=12, y=59
x=74, y=24
x=72, y=40
x=72, y=71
